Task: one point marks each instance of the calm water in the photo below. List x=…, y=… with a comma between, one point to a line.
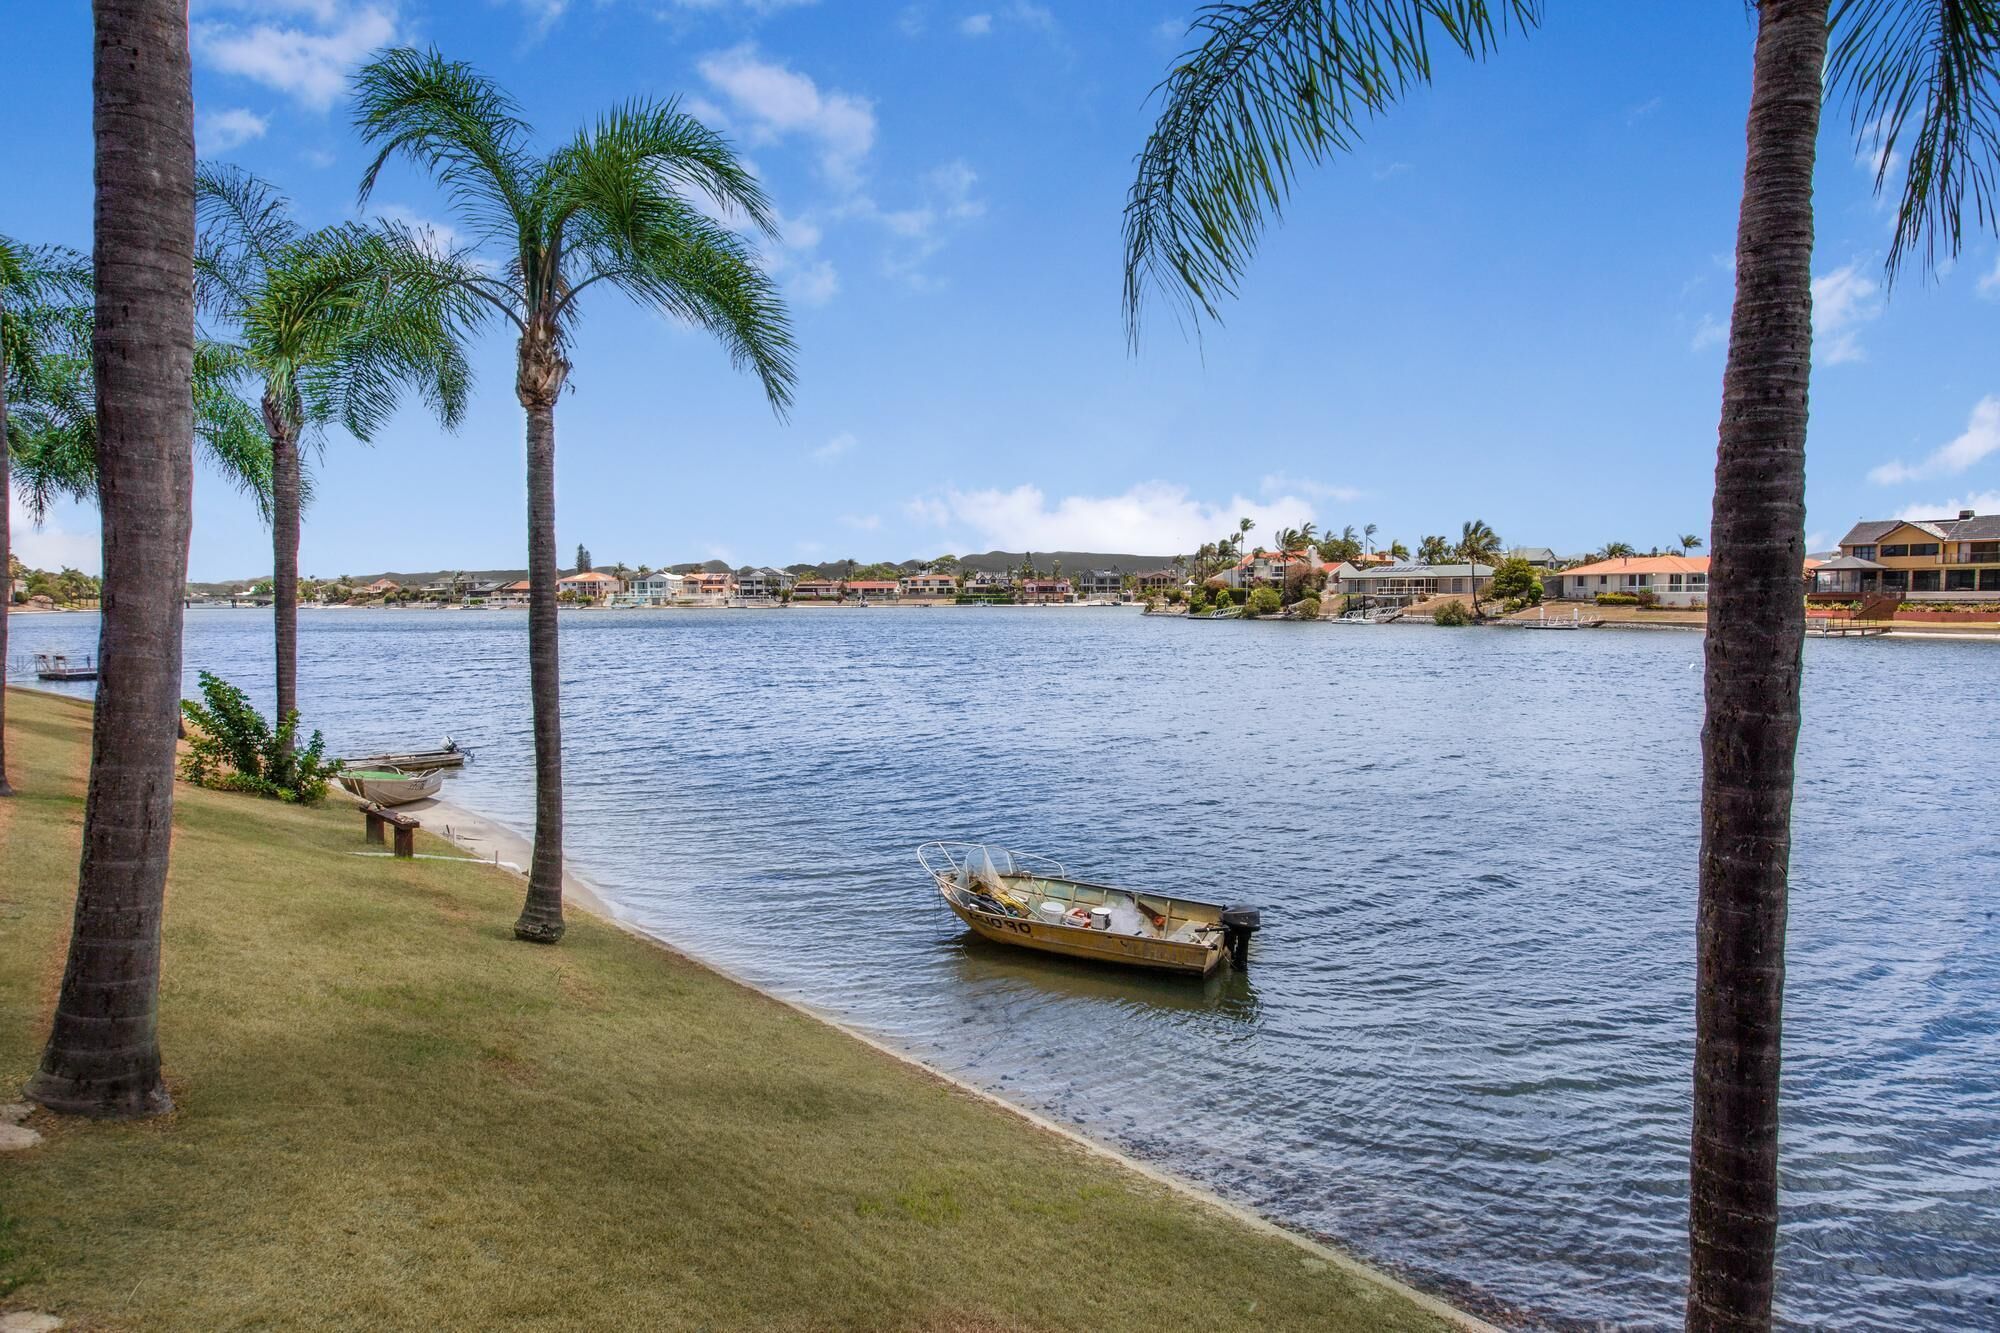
x=1463, y=1046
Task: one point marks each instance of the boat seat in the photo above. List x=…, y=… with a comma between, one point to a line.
x=406, y=828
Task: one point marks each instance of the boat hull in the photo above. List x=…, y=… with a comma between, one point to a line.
x=393, y=790
x=1098, y=946
x=423, y=761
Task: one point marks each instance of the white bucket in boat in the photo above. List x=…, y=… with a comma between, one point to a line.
x=1100, y=918
x=1052, y=913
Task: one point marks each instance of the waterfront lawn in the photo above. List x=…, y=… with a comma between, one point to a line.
x=391, y=1115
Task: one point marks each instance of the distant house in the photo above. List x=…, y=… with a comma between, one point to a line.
x=1158, y=580
x=873, y=590
x=704, y=586
x=1045, y=590
x=1926, y=560
x=1271, y=567
x=989, y=583
x=927, y=585
x=1541, y=557
x=591, y=584
x=1676, y=580
x=1401, y=584
x=763, y=584
x=657, y=589
x=382, y=587
x=816, y=590
x=1101, y=583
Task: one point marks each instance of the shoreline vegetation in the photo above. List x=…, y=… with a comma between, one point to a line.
x=387, y=1113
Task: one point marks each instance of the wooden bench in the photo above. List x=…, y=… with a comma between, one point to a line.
x=406, y=828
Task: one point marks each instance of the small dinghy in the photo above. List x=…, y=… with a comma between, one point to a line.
x=1030, y=901
x=416, y=761
x=391, y=786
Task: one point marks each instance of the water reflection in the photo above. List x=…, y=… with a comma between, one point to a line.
x=987, y=966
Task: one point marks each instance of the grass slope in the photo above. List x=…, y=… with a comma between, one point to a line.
x=391, y=1115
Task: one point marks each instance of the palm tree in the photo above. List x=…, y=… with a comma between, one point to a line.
x=103, y=1053
x=1398, y=551
x=1434, y=550
x=42, y=294
x=1244, y=526
x=332, y=323
x=607, y=207
x=1477, y=544
x=1368, y=538
x=1688, y=541
x=1276, y=82
x=1617, y=551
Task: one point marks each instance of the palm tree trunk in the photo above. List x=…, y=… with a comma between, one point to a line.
x=541, y=919
x=1755, y=634
x=103, y=1056
x=6, y=573
x=285, y=481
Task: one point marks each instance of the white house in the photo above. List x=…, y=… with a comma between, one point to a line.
x=1675, y=580
x=657, y=589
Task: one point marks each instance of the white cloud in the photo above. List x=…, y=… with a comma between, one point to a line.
x=779, y=101
x=220, y=131
x=834, y=447
x=1279, y=483
x=53, y=545
x=302, y=48
x=911, y=22
x=1711, y=332
x=1874, y=155
x=976, y=25
x=1152, y=518
x=321, y=158
x=1979, y=502
x=862, y=522
x=1634, y=114
x=1980, y=438
x=1989, y=283
x=814, y=284
x=1842, y=300
x=1170, y=30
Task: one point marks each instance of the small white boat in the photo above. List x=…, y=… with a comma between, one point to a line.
x=391, y=786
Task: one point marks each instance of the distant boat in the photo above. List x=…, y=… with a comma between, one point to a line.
x=391, y=786
x=415, y=761
x=1029, y=901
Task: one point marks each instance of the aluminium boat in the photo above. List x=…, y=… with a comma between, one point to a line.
x=391, y=786
x=1031, y=902
x=449, y=755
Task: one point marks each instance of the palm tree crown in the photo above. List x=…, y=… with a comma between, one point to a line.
x=607, y=207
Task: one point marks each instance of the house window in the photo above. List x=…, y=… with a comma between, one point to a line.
x=1697, y=580
x=1923, y=548
x=1673, y=583
x=1863, y=553
x=1989, y=580
x=1899, y=548
x=1959, y=580
x=1602, y=580
x=1924, y=580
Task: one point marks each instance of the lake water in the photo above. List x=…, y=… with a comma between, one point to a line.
x=1462, y=1048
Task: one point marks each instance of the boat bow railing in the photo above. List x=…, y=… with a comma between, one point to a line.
x=952, y=860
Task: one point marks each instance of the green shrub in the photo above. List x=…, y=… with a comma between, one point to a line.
x=1646, y=598
x=1516, y=581
x=232, y=748
x=1263, y=602
x=1616, y=599
x=1307, y=608
x=1452, y=613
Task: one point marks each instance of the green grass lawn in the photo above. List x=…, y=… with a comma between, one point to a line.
x=392, y=1115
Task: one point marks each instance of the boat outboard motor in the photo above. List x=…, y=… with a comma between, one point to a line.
x=1238, y=925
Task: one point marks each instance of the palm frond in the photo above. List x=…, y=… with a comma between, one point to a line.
x=455, y=123
x=641, y=146
x=668, y=254
x=1924, y=73
x=244, y=226
x=1272, y=82
x=391, y=312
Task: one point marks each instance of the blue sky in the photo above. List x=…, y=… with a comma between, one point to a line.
x=1507, y=304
